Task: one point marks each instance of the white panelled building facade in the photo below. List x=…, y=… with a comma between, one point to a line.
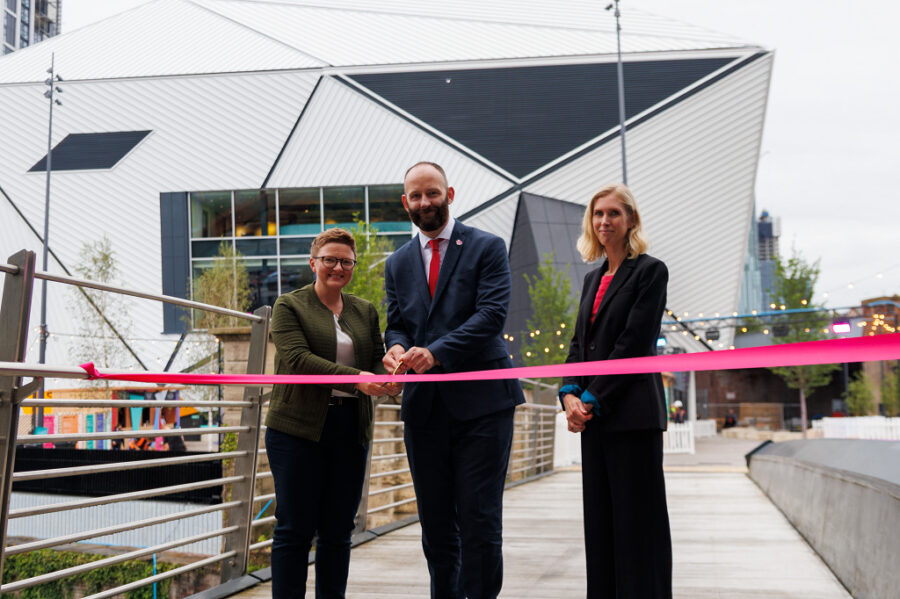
x=189, y=123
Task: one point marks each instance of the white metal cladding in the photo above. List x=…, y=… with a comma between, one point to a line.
x=569, y=14
x=167, y=37
x=57, y=524
x=692, y=168
x=346, y=139
x=499, y=219
x=215, y=132
x=391, y=38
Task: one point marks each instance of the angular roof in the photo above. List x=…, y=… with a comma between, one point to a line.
x=179, y=37
x=521, y=118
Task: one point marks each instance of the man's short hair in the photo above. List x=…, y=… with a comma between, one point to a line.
x=434, y=165
x=332, y=236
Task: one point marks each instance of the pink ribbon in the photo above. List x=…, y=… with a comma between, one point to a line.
x=830, y=351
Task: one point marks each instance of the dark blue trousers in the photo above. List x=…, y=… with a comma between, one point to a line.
x=317, y=492
x=626, y=522
x=459, y=471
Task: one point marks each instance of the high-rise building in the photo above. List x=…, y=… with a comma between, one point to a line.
x=768, y=230
x=27, y=22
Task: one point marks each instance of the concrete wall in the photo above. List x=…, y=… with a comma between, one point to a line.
x=851, y=519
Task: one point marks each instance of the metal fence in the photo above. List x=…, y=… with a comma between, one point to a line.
x=859, y=427
x=245, y=482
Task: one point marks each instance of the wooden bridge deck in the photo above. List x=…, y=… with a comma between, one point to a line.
x=729, y=541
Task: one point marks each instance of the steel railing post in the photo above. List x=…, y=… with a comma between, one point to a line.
x=251, y=416
x=552, y=425
x=15, y=314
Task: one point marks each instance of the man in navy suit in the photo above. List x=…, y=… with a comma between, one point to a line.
x=448, y=295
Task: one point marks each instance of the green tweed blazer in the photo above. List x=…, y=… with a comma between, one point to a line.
x=305, y=343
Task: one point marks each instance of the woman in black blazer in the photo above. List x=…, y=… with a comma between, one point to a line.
x=621, y=418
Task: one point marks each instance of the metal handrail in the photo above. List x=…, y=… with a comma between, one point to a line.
x=130, y=403
x=390, y=489
x=9, y=268
x=261, y=521
x=142, y=294
x=109, y=530
x=389, y=473
x=261, y=545
x=156, y=492
x=40, y=370
x=123, y=466
x=166, y=432
x=110, y=561
x=388, y=506
x=162, y=576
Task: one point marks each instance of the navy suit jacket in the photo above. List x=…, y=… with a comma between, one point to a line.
x=461, y=326
x=627, y=325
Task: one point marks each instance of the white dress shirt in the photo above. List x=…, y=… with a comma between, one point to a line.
x=444, y=237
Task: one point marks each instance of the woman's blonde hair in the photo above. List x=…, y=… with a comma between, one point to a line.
x=588, y=245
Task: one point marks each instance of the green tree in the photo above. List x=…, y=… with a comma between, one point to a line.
x=795, y=282
x=227, y=285
x=552, y=315
x=890, y=390
x=859, y=397
x=368, y=276
x=96, y=341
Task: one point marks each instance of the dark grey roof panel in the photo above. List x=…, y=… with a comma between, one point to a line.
x=522, y=118
x=89, y=151
x=543, y=225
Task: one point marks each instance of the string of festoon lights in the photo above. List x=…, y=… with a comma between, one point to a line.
x=880, y=275
x=554, y=336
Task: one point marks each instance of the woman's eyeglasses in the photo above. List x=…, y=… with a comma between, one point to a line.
x=331, y=262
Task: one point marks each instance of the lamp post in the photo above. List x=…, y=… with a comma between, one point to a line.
x=621, y=85
x=50, y=95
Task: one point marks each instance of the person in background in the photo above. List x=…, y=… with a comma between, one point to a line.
x=621, y=418
x=730, y=419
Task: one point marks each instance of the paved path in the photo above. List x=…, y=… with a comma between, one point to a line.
x=729, y=541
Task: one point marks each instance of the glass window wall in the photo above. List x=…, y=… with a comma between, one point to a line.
x=254, y=213
x=273, y=230
x=295, y=273
x=211, y=214
x=386, y=212
x=344, y=206
x=299, y=211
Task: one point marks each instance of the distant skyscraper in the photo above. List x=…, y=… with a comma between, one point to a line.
x=768, y=230
x=26, y=22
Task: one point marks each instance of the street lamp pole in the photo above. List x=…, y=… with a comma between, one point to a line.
x=50, y=95
x=621, y=86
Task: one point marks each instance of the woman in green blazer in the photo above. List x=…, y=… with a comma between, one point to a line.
x=317, y=436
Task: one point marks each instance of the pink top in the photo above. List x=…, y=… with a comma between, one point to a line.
x=605, y=280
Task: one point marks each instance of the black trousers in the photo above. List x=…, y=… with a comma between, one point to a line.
x=459, y=471
x=317, y=492
x=626, y=521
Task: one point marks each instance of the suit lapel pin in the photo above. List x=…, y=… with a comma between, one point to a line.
x=459, y=242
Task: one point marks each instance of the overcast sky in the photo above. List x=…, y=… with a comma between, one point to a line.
x=830, y=152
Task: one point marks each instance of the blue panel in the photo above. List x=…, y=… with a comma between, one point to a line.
x=173, y=216
x=255, y=247
x=88, y=151
x=523, y=118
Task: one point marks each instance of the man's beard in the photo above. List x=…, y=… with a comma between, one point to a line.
x=434, y=219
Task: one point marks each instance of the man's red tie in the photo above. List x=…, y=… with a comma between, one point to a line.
x=434, y=268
